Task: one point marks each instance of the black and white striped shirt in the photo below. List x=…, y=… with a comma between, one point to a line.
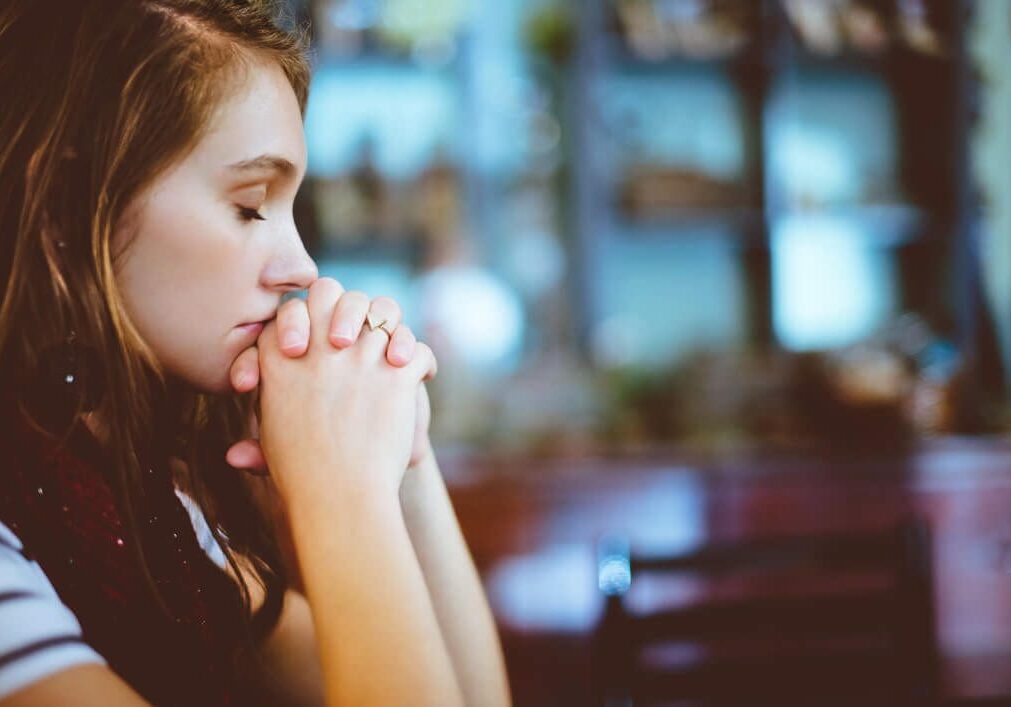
x=39, y=634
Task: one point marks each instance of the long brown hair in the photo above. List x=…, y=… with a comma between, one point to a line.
x=100, y=97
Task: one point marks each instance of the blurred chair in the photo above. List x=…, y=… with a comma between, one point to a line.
x=808, y=620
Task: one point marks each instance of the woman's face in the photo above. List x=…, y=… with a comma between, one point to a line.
x=214, y=240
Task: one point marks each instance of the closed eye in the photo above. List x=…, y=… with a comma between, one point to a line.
x=248, y=214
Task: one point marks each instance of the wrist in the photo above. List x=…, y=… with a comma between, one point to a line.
x=311, y=484
x=314, y=513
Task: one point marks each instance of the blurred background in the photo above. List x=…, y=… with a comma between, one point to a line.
x=710, y=223
x=696, y=272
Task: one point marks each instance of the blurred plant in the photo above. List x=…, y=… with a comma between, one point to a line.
x=550, y=32
x=874, y=397
x=852, y=403
x=708, y=401
x=428, y=28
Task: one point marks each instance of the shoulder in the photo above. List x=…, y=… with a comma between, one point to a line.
x=39, y=635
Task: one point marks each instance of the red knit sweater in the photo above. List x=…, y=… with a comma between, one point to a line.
x=62, y=507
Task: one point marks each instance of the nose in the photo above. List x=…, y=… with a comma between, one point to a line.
x=290, y=267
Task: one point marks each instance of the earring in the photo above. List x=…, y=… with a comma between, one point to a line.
x=68, y=378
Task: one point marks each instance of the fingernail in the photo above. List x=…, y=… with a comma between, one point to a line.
x=292, y=340
x=342, y=333
x=399, y=352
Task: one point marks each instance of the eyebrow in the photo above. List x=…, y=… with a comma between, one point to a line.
x=264, y=163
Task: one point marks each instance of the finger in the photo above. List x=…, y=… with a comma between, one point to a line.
x=401, y=348
x=424, y=365
x=246, y=454
x=324, y=294
x=348, y=318
x=245, y=371
x=293, y=327
x=266, y=342
x=422, y=444
x=382, y=309
x=253, y=430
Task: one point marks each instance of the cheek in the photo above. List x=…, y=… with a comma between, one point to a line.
x=170, y=264
x=180, y=279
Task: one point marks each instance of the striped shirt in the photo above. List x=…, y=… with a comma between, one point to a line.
x=39, y=634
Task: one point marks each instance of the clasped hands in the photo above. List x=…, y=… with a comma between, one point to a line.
x=292, y=328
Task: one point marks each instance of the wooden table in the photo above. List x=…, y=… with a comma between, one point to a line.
x=532, y=524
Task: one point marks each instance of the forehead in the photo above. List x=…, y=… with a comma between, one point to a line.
x=260, y=115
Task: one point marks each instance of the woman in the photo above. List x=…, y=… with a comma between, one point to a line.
x=150, y=151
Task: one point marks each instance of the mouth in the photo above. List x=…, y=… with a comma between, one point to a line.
x=253, y=328
x=255, y=322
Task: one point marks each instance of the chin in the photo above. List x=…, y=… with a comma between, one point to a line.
x=219, y=386
x=215, y=382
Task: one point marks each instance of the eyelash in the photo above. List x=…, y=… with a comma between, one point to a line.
x=247, y=214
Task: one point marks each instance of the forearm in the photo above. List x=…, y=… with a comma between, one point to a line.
x=454, y=586
x=378, y=636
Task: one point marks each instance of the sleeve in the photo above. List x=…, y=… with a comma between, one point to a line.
x=39, y=634
x=204, y=535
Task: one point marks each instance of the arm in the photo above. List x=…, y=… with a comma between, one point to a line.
x=454, y=585
x=290, y=670
x=379, y=640
x=44, y=659
x=90, y=685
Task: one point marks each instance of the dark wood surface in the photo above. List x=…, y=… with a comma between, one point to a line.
x=532, y=524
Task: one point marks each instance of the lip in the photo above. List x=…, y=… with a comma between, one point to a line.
x=252, y=329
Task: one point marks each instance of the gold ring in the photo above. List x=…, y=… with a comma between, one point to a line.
x=374, y=324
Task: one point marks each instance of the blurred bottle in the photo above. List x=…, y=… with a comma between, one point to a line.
x=368, y=183
x=696, y=29
x=435, y=207
x=830, y=27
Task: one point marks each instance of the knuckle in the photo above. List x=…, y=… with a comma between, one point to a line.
x=325, y=283
x=325, y=288
x=355, y=298
x=386, y=302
